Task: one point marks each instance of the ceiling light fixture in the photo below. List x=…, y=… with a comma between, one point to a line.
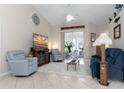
x=69, y=18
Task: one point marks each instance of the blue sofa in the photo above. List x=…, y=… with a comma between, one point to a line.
x=115, y=61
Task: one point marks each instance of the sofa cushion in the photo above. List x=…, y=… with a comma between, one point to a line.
x=19, y=56
x=112, y=53
x=120, y=60
x=108, y=58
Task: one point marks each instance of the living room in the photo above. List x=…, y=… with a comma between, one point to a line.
x=21, y=24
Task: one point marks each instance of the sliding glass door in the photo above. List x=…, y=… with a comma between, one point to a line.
x=74, y=42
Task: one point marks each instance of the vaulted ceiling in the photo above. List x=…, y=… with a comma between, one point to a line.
x=95, y=13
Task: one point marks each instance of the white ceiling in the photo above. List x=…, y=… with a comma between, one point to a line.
x=95, y=13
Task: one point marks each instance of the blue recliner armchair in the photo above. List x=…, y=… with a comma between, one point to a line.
x=20, y=65
x=115, y=61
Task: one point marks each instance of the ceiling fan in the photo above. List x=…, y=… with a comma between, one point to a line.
x=68, y=16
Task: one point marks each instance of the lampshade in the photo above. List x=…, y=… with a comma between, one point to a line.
x=103, y=39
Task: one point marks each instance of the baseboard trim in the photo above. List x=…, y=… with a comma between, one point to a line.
x=3, y=74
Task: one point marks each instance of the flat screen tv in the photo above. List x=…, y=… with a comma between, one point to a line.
x=40, y=41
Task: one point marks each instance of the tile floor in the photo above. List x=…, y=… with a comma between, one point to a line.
x=44, y=78
x=61, y=67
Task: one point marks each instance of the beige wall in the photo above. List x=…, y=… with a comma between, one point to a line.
x=16, y=28
x=118, y=43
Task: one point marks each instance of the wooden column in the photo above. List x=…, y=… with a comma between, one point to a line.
x=98, y=50
x=103, y=67
x=103, y=54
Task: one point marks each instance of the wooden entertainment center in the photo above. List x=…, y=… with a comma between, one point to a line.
x=43, y=56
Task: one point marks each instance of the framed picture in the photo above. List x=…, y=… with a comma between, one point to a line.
x=93, y=37
x=117, y=31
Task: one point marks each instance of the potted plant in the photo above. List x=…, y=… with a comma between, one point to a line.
x=68, y=45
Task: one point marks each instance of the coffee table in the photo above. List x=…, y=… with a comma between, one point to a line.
x=73, y=62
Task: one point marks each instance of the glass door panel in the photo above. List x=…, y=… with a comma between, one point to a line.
x=74, y=42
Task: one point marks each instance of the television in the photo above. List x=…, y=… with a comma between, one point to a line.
x=40, y=41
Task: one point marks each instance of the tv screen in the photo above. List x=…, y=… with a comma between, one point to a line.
x=40, y=41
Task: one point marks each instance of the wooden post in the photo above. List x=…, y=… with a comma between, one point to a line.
x=103, y=54
x=103, y=67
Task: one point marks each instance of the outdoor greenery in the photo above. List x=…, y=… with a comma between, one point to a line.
x=68, y=46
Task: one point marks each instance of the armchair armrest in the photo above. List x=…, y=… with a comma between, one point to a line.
x=31, y=58
x=115, y=67
x=95, y=60
x=19, y=64
x=18, y=61
x=96, y=56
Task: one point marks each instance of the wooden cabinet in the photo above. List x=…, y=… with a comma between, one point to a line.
x=42, y=55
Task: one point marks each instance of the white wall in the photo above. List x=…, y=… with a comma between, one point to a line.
x=102, y=29
x=89, y=50
x=56, y=37
x=117, y=43
x=16, y=28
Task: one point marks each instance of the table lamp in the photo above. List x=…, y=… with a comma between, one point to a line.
x=102, y=41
